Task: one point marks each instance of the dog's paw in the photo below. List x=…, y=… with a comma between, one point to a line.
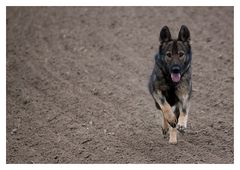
x=172, y=122
x=181, y=129
x=173, y=141
x=171, y=119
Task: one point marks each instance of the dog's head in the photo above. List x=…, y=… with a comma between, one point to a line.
x=174, y=54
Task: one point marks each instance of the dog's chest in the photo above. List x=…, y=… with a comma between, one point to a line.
x=171, y=96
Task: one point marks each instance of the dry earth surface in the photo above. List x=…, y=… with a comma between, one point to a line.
x=77, y=85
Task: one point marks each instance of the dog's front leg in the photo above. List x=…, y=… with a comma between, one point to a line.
x=184, y=106
x=168, y=114
x=166, y=108
x=168, y=117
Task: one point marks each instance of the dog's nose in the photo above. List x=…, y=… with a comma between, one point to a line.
x=175, y=69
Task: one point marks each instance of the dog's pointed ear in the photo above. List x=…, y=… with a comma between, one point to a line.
x=184, y=34
x=165, y=35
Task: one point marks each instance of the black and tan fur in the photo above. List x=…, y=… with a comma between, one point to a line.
x=172, y=98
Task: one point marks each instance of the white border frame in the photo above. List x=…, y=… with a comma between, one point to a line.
x=6, y=3
x=120, y=3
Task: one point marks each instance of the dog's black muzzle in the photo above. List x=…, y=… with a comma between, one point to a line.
x=175, y=69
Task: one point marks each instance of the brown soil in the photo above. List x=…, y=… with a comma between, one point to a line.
x=77, y=85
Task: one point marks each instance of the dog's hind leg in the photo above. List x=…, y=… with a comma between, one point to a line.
x=165, y=127
x=173, y=136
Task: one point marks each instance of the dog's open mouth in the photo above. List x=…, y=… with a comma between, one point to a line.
x=175, y=77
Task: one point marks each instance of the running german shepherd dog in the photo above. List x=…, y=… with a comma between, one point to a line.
x=170, y=83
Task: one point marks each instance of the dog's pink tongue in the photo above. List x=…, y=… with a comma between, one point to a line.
x=175, y=77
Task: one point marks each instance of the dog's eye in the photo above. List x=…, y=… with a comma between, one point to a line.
x=181, y=54
x=169, y=55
